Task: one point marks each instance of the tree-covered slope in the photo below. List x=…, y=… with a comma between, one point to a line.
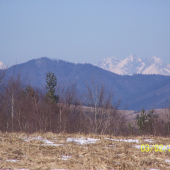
x=135, y=91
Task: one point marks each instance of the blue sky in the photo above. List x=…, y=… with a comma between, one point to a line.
x=83, y=31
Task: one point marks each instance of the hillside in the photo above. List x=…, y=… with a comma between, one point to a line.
x=136, y=92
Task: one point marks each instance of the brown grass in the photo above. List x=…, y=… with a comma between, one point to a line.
x=104, y=154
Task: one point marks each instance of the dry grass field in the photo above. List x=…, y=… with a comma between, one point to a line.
x=78, y=151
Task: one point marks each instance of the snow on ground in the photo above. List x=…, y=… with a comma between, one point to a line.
x=111, y=145
x=82, y=140
x=137, y=146
x=65, y=158
x=47, y=142
x=148, y=140
x=12, y=160
x=124, y=140
x=167, y=160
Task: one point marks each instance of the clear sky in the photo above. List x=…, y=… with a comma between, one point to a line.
x=83, y=30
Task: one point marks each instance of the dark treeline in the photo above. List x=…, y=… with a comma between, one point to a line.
x=61, y=109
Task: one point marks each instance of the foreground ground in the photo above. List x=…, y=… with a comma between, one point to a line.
x=77, y=151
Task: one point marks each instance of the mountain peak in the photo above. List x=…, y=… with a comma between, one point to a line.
x=155, y=59
x=131, y=58
x=135, y=65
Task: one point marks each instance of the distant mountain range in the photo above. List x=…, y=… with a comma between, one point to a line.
x=136, y=92
x=135, y=65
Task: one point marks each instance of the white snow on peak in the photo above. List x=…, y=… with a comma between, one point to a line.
x=167, y=70
x=139, y=60
x=156, y=60
x=151, y=70
x=135, y=65
x=131, y=58
x=2, y=66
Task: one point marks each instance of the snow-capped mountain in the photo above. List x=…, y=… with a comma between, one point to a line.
x=2, y=66
x=135, y=65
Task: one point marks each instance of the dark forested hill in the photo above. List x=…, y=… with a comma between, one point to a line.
x=136, y=92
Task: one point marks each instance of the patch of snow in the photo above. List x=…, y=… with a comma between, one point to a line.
x=139, y=59
x=82, y=140
x=152, y=69
x=47, y=142
x=148, y=140
x=137, y=146
x=119, y=154
x=131, y=58
x=12, y=160
x=65, y=157
x=140, y=68
x=117, y=71
x=167, y=70
x=157, y=60
x=117, y=163
x=123, y=63
x=167, y=160
x=125, y=140
x=111, y=145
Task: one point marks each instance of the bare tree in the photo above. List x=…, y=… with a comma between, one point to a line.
x=103, y=116
x=9, y=95
x=69, y=108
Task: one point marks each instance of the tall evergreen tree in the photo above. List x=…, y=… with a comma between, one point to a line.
x=51, y=81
